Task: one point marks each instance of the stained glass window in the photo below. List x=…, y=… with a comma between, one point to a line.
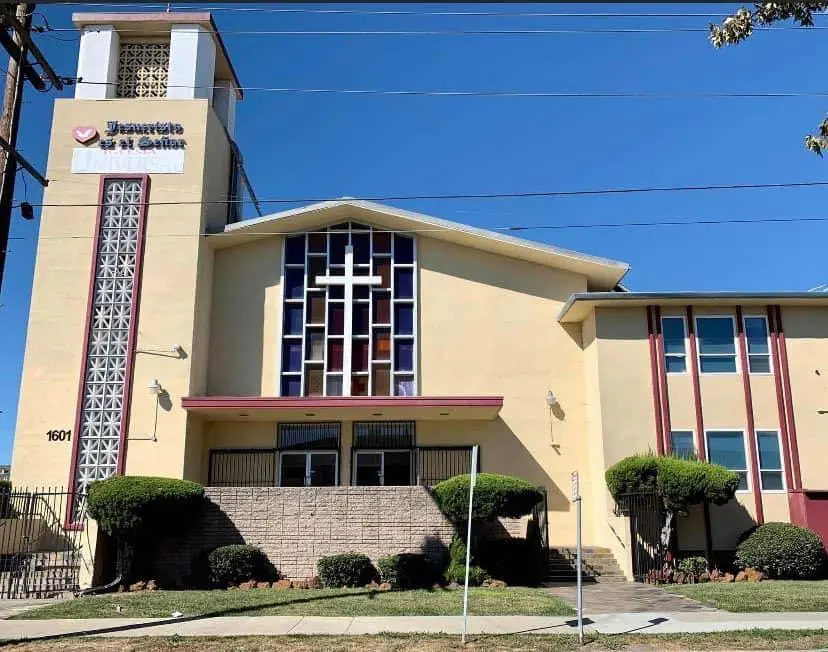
x=349, y=313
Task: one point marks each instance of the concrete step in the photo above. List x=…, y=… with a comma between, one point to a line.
x=597, y=564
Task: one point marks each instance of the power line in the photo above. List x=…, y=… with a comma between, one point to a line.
x=514, y=195
x=486, y=93
x=507, y=229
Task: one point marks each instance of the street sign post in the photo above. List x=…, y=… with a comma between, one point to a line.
x=469, y=544
x=576, y=498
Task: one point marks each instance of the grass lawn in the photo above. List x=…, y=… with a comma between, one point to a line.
x=754, y=640
x=310, y=602
x=774, y=595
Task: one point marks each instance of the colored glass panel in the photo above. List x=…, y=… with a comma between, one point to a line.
x=404, y=283
x=403, y=319
x=403, y=355
x=382, y=344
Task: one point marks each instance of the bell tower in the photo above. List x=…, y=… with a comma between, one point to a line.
x=141, y=164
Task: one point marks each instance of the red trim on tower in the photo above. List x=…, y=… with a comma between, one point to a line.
x=789, y=408
x=694, y=373
x=655, y=381
x=780, y=397
x=751, y=426
x=662, y=374
x=133, y=316
x=73, y=467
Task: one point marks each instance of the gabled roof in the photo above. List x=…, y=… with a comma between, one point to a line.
x=601, y=273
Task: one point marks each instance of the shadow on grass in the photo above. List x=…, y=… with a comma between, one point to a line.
x=370, y=594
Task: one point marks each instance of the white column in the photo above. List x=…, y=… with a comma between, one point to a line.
x=224, y=104
x=98, y=63
x=192, y=63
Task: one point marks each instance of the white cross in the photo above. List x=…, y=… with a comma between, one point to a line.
x=348, y=281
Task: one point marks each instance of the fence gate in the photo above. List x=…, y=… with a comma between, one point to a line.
x=39, y=558
x=648, y=553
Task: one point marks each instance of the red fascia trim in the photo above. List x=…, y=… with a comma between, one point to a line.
x=73, y=465
x=780, y=397
x=309, y=402
x=655, y=382
x=786, y=386
x=694, y=373
x=662, y=374
x=751, y=426
x=133, y=317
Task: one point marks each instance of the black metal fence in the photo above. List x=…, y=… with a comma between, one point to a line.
x=646, y=522
x=39, y=557
x=250, y=467
x=540, y=520
x=438, y=463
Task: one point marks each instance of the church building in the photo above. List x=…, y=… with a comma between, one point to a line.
x=350, y=343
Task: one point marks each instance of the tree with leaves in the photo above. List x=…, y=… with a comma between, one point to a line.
x=736, y=28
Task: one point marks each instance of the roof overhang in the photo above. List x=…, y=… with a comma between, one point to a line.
x=581, y=304
x=600, y=272
x=344, y=408
x=158, y=24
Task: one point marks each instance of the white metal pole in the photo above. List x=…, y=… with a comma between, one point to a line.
x=580, y=600
x=468, y=545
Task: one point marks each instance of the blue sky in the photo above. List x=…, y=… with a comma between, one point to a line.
x=335, y=145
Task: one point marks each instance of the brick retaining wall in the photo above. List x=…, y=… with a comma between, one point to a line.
x=295, y=526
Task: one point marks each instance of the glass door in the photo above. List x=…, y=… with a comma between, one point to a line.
x=368, y=469
x=322, y=469
x=382, y=468
x=293, y=470
x=309, y=469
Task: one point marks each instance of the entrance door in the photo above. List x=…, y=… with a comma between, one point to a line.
x=322, y=469
x=388, y=468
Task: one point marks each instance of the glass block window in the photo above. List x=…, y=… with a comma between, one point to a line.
x=143, y=69
x=103, y=415
x=349, y=320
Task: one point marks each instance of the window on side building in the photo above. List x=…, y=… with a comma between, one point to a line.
x=758, y=348
x=681, y=444
x=727, y=447
x=717, y=345
x=675, y=352
x=770, y=460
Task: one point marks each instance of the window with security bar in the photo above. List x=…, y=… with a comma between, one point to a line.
x=143, y=69
x=383, y=453
x=308, y=454
x=349, y=313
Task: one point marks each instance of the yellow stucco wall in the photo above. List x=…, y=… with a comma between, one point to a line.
x=175, y=292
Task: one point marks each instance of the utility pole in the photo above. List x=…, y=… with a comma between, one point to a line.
x=9, y=126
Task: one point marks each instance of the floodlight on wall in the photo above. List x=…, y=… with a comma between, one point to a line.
x=551, y=399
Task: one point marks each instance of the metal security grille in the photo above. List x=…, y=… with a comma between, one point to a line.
x=143, y=69
x=383, y=435
x=102, y=413
x=645, y=512
x=308, y=436
x=253, y=467
x=39, y=558
x=438, y=463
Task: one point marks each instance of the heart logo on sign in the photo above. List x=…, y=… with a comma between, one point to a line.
x=84, y=134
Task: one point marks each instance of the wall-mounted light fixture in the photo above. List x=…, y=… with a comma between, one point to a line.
x=551, y=399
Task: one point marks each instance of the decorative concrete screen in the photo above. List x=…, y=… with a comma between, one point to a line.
x=295, y=526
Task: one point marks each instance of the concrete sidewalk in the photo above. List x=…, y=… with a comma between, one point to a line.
x=642, y=623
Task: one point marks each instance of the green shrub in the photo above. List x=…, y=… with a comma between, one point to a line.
x=457, y=573
x=680, y=482
x=514, y=560
x=349, y=569
x=238, y=563
x=406, y=571
x=693, y=566
x=494, y=496
x=125, y=506
x=784, y=551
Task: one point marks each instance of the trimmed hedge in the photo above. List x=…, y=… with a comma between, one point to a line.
x=680, y=482
x=349, y=569
x=783, y=551
x=125, y=506
x=494, y=496
x=406, y=571
x=238, y=563
x=456, y=571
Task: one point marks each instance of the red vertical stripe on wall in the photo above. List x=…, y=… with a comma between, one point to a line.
x=751, y=426
x=662, y=375
x=694, y=373
x=780, y=396
x=655, y=381
x=789, y=408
